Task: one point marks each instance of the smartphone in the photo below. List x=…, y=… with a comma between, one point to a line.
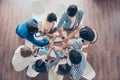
x=37, y=34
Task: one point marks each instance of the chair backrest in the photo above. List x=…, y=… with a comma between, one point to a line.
x=31, y=72
x=28, y=44
x=89, y=72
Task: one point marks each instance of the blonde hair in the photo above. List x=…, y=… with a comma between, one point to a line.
x=26, y=51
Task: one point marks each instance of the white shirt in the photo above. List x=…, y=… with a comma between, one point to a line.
x=20, y=63
x=73, y=19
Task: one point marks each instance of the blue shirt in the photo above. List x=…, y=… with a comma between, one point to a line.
x=22, y=32
x=50, y=65
x=78, y=70
x=65, y=21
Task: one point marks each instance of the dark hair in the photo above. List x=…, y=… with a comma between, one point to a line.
x=51, y=17
x=40, y=66
x=64, y=69
x=72, y=10
x=25, y=51
x=75, y=57
x=87, y=33
x=32, y=27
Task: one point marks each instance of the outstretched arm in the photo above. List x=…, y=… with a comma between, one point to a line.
x=31, y=38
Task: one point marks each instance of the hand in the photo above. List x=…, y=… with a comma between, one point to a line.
x=34, y=50
x=54, y=49
x=51, y=46
x=65, y=40
x=51, y=41
x=80, y=46
x=60, y=49
x=54, y=37
x=61, y=36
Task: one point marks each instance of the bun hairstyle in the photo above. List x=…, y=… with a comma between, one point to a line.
x=64, y=69
x=40, y=66
x=87, y=33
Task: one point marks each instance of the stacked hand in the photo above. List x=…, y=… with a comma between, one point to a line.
x=65, y=40
x=60, y=49
x=53, y=47
x=54, y=36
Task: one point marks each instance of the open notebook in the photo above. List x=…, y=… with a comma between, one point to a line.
x=39, y=37
x=43, y=51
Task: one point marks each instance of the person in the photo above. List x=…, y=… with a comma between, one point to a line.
x=70, y=21
x=44, y=66
x=77, y=60
x=78, y=63
x=88, y=35
x=22, y=58
x=60, y=70
x=32, y=70
x=27, y=31
x=48, y=25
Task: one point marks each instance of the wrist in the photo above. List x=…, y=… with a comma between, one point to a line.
x=63, y=37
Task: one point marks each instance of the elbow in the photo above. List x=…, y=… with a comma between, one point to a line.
x=43, y=44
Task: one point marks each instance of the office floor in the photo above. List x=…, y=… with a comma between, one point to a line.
x=102, y=15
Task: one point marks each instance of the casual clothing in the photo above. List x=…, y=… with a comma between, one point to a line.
x=30, y=71
x=20, y=63
x=47, y=25
x=73, y=22
x=50, y=65
x=66, y=22
x=53, y=75
x=78, y=70
x=22, y=32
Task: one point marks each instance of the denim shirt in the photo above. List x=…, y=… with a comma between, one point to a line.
x=22, y=32
x=50, y=65
x=65, y=21
x=78, y=70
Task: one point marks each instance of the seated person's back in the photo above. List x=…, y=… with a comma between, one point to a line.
x=27, y=30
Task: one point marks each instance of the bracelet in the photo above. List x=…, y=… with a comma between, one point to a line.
x=63, y=37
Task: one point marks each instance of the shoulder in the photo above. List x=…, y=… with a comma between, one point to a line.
x=64, y=14
x=46, y=24
x=33, y=20
x=80, y=12
x=18, y=49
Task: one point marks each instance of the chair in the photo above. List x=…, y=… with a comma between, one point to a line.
x=89, y=72
x=38, y=10
x=31, y=72
x=53, y=75
x=28, y=44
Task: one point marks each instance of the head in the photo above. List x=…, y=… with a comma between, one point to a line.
x=64, y=69
x=32, y=27
x=75, y=57
x=26, y=52
x=72, y=10
x=88, y=35
x=40, y=66
x=51, y=17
